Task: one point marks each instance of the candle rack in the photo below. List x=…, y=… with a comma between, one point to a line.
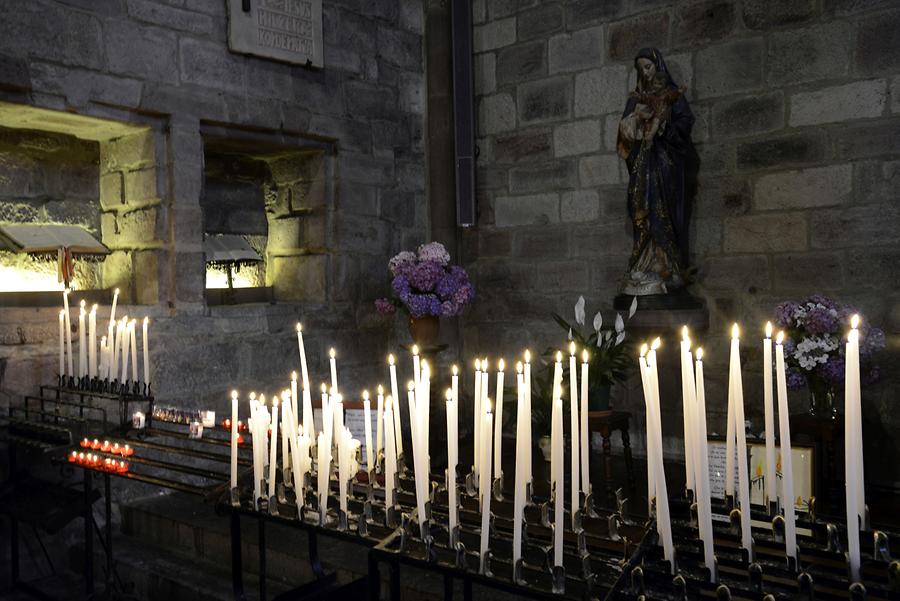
x=88, y=390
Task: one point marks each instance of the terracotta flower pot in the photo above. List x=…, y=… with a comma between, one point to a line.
x=424, y=330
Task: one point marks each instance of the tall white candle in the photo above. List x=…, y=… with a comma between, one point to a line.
x=663, y=521
x=110, y=346
x=452, y=510
x=234, y=437
x=122, y=341
x=857, y=477
x=852, y=459
x=146, y=342
x=701, y=472
x=62, y=343
x=367, y=412
x=418, y=454
x=71, y=361
x=584, y=437
x=132, y=337
x=787, y=469
x=423, y=406
x=285, y=435
x=651, y=455
x=82, y=344
x=294, y=400
x=301, y=459
x=416, y=364
x=498, y=425
x=476, y=420
x=343, y=448
x=103, y=366
x=555, y=456
x=771, y=494
x=333, y=363
x=486, y=489
x=686, y=395
x=398, y=431
x=390, y=453
x=323, y=467
x=741, y=442
x=309, y=423
x=574, y=427
x=273, y=446
x=379, y=425
x=303, y=370
x=253, y=425
x=519, y=483
x=112, y=311
x=92, y=342
x=527, y=384
x=559, y=478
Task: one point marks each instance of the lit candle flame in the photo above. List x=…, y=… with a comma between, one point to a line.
x=424, y=366
x=501, y=365
x=484, y=364
x=391, y=359
x=380, y=390
x=449, y=394
x=82, y=303
x=285, y=396
x=558, y=356
x=768, y=329
x=94, y=309
x=684, y=334
x=454, y=370
x=299, y=327
x=234, y=394
x=854, y=321
x=415, y=349
x=275, y=401
x=332, y=353
x=780, y=338
x=365, y=395
x=262, y=400
x=584, y=356
x=293, y=376
x=700, y=354
x=644, y=349
x=519, y=367
x=324, y=388
x=657, y=342
x=477, y=364
x=410, y=385
x=388, y=402
x=252, y=396
x=572, y=348
x=527, y=356
x=735, y=331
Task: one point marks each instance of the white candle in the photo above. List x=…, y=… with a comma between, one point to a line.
x=301, y=459
x=855, y=431
x=253, y=425
x=423, y=406
x=234, y=437
x=294, y=401
x=527, y=382
x=390, y=453
x=555, y=456
x=110, y=342
x=663, y=522
x=769, y=408
x=273, y=446
x=418, y=453
x=741, y=442
x=485, y=500
x=585, y=435
x=687, y=393
x=398, y=431
x=303, y=369
x=452, y=510
x=104, y=359
x=852, y=459
x=379, y=425
x=326, y=415
x=122, y=341
x=575, y=459
x=92, y=342
x=651, y=455
x=498, y=427
x=343, y=447
x=71, y=365
x=416, y=364
x=476, y=420
x=82, y=343
x=132, y=337
x=146, y=342
x=519, y=483
x=62, y=342
x=323, y=467
x=701, y=471
x=285, y=434
x=787, y=469
x=558, y=477
x=333, y=362
x=309, y=423
x=112, y=312
x=367, y=411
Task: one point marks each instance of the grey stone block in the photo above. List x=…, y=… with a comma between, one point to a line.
x=366, y=169
x=14, y=73
x=136, y=229
x=784, y=151
x=397, y=206
x=854, y=226
x=579, y=206
x=543, y=178
x=485, y=73
x=705, y=237
x=703, y=23
x=491, y=178
x=808, y=188
x=496, y=113
x=494, y=243
x=52, y=32
x=857, y=100
x=504, y=8
x=735, y=273
x=570, y=275
x=748, y=115
x=581, y=49
x=545, y=242
x=577, y=137
x=494, y=34
x=808, y=271
x=401, y=48
x=872, y=267
x=601, y=91
x=208, y=64
x=877, y=48
x=729, y=68
x=630, y=35
x=140, y=185
x=142, y=51
x=611, y=237
x=763, y=14
x=599, y=170
x=860, y=141
x=585, y=11
x=171, y=17
x=521, y=62
x=523, y=146
x=539, y=22
x=545, y=100
x=782, y=232
x=821, y=52
x=18, y=212
x=351, y=134
x=412, y=15
x=535, y=209
x=895, y=94
x=368, y=101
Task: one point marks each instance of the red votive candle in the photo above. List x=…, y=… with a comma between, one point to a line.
x=105, y=446
x=85, y=443
x=73, y=457
x=122, y=467
x=127, y=451
x=95, y=444
x=226, y=424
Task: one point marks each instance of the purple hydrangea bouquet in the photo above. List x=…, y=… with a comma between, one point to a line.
x=426, y=285
x=815, y=332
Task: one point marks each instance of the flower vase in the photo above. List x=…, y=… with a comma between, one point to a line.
x=821, y=399
x=424, y=330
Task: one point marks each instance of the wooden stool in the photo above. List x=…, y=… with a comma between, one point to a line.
x=605, y=423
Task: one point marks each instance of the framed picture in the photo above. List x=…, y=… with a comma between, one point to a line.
x=802, y=457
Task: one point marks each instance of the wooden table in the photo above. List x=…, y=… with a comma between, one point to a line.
x=605, y=423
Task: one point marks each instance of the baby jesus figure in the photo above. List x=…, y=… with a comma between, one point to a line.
x=654, y=105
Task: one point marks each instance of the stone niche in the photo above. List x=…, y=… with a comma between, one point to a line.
x=58, y=167
x=276, y=196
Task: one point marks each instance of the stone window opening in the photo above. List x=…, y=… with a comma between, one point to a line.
x=273, y=191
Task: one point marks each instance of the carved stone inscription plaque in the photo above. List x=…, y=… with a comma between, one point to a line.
x=285, y=30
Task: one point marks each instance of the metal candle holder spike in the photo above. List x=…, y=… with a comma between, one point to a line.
x=280, y=492
x=235, y=496
x=497, y=488
x=882, y=546
x=518, y=572
x=805, y=583
x=287, y=477
x=485, y=562
x=371, y=484
x=262, y=503
x=392, y=516
x=755, y=577
x=558, y=574
x=723, y=593
x=461, y=560
x=273, y=505
x=471, y=483
x=342, y=520
x=529, y=494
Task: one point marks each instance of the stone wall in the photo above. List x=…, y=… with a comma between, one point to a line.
x=165, y=68
x=798, y=121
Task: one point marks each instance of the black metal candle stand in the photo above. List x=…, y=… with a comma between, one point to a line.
x=106, y=387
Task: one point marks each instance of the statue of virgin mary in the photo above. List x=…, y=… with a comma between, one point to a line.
x=654, y=139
